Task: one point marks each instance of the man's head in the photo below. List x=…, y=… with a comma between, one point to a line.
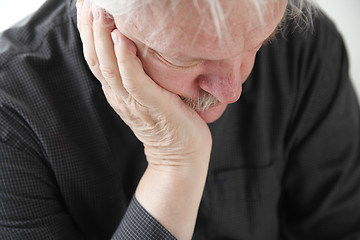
x=201, y=50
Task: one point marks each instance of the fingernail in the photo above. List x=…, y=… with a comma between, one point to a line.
x=79, y=2
x=115, y=37
x=79, y=5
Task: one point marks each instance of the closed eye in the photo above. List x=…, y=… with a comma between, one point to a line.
x=174, y=63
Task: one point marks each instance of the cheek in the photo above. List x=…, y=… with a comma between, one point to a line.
x=176, y=81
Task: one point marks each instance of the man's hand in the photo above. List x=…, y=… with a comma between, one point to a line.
x=176, y=140
x=172, y=133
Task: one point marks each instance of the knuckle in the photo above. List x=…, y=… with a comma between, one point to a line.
x=129, y=100
x=91, y=61
x=132, y=88
x=107, y=71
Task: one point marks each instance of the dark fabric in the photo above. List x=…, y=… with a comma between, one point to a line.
x=285, y=161
x=68, y=164
x=139, y=224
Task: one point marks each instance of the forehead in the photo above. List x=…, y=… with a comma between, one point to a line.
x=189, y=29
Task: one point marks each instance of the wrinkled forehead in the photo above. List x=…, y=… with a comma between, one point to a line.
x=190, y=24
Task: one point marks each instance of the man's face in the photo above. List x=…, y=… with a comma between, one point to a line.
x=186, y=57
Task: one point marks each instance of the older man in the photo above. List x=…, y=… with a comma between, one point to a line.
x=139, y=141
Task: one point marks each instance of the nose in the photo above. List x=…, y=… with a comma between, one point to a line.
x=223, y=80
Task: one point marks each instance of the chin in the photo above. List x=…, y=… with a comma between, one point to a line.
x=213, y=113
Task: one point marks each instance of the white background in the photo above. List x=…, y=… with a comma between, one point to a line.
x=345, y=13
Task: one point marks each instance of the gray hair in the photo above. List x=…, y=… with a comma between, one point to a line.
x=299, y=11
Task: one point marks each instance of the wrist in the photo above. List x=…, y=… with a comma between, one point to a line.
x=179, y=158
x=172, y=195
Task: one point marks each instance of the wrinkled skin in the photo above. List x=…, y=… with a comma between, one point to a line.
x=170, y=131
x=177, y=141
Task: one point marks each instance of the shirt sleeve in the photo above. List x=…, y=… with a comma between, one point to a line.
x=139, y=224
x=30, y=208
x=29, y=204
x=321, y=193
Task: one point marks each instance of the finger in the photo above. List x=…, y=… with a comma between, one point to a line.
x=85, y=25
x=135, y=80
x=118, y=105
x=102, y=26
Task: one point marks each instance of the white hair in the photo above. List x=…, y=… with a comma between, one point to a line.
x=300, y=11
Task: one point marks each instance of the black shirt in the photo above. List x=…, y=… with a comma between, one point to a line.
x=285, y=162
